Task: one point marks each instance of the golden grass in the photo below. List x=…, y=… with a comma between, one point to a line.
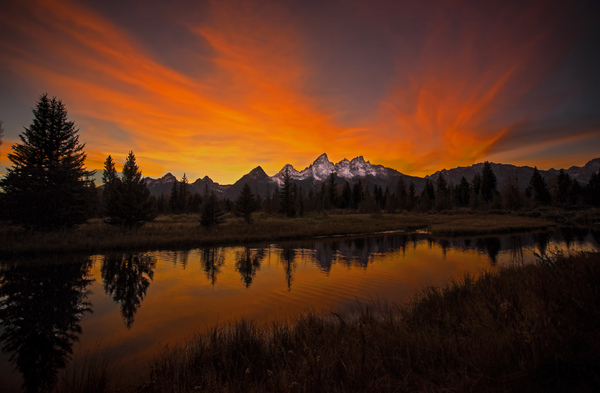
x=530, y=329
x=184, y=231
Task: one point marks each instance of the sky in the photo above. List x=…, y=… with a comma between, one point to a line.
x=216, y=88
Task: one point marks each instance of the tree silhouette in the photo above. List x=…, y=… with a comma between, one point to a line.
x=127, y=278
x=538, y=189
x=47, y=185
x=212, y=213
x=41, y=306
x=212, y=260
x=288, y=254
x=174, y=199
x=247, y=263
x=246, y=204
x=592, y=190
x=463, y=192
x=286, y=196
x=129, y=202
x=183, y=193
x=489, y=184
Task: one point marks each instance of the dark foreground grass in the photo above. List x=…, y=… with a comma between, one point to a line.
x=525, y=329
x=184, y=231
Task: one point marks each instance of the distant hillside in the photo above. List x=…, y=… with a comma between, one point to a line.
x=357, y=169
x=506, y=173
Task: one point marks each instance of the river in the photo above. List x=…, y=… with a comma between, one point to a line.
x=55, y=312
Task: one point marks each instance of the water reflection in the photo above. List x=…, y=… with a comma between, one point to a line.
x=42, y=306
x=212, y=260
x=247, y=263
x=288, y=256
x=126, y=278
x=40, y=310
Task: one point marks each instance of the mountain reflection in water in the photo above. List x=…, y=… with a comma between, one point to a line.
x=52, y=311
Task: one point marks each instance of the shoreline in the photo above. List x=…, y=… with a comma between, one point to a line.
x=184, y=231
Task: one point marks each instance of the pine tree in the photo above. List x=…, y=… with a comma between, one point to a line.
x=592, y=190
x=212, y=213
x=129, y=204
x=463, y=193
x=174, y=199
x=286, y=195
x=47, y=185
x=410, y=199
x=401, y=195
x=332, y=191
x=538, y=189
x=358, y=195
x=183, y=193
x=246, y=204
x=563, y=185
x=489, y=184
x=442, y=196
x=347, y=196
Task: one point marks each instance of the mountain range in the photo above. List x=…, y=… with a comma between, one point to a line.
x=313, y=176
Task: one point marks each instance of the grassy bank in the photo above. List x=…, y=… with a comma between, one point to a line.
x=534, y=328
x=184, y=231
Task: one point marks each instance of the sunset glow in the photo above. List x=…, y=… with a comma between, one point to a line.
x=221, y=87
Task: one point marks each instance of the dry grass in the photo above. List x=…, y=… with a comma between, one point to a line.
x=184, y=231
x=530, y=329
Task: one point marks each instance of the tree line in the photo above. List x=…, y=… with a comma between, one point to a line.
x=48, y=187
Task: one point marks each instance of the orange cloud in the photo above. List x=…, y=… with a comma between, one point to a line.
x=243, y=114
x=249, y=104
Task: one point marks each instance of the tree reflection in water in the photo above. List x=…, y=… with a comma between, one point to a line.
x=127, y=278
x=212, y=261
x=247, y=263
x=288, y=257
x=41, y=307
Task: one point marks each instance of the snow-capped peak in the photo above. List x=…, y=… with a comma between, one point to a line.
x=321, y=169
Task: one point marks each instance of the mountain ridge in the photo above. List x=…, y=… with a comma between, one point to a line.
x=359, y=169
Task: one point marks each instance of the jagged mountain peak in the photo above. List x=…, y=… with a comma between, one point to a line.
x=257, y=173
x=322, y=159
x=359, y=159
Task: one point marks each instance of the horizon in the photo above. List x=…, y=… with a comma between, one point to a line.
x=336, y=162
x=213, y=88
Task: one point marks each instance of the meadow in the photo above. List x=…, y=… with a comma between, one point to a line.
x=184, y=231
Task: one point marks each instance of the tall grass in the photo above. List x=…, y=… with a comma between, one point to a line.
x=531, y=328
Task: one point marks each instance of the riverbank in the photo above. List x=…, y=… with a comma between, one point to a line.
x=531, y=328
x=184, y=231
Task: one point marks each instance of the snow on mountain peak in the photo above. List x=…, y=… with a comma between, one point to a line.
x=321, y=159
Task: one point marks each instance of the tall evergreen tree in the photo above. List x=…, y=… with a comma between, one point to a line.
x=47, y=185
x=212, y=213
x=463, y=192
x=401, y=195
x=183, y=193
x=286, y=196
x=489, y=184
x=346, y=196
x=358, y=194
x=563, y=185
x=332, y=191
x=174, y=199
x=130, y=204
x=538, y=189
x=592, y=190
x=246, y=204
x=442, y=196
x=410, y=198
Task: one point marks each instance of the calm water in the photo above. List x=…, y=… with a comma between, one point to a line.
x=54, y=313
